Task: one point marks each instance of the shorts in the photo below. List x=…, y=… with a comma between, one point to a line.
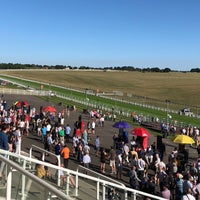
x=112, y=163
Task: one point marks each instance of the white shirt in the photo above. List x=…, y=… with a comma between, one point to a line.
x=86, y=159
x=48, y=127
x=141, y=164
x=188, y=197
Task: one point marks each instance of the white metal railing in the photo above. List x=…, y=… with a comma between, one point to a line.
x=10, y=165
x=43, y=151
x=100, y=183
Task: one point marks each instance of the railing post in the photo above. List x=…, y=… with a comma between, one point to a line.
x=59, y=164
x=9, y=184
x=97, y=190
x=23, y=181
x=125, y=195
x=67, y=184
x=104, y=191
x=76, y=189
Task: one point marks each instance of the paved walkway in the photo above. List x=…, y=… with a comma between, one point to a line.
x=105, y=133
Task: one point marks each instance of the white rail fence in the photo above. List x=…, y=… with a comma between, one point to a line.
x=100, y=185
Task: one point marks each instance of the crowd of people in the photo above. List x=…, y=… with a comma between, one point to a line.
x=148, y=171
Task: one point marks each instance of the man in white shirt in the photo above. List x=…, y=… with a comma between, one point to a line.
x=140, y=167
x=86, y=160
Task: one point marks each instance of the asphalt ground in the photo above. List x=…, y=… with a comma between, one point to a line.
x=105, y=133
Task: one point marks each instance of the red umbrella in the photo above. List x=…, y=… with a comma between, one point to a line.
x=49, y=109
x=141, y=132
x=21, y=103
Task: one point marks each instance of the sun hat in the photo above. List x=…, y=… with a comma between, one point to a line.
x=179, y=175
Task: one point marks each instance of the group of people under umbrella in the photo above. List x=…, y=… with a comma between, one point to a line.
x=141, y=133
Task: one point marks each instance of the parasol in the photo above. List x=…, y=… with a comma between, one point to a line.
x=183, y=139
x=121, y=124
x=141, y=132
x=50, y=109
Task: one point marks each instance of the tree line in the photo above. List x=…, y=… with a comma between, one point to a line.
x=122, y=68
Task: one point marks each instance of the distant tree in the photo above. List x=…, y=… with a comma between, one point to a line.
x=195, y=70
x=166, y=70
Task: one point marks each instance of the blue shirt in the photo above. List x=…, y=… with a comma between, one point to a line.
x=67, y=130
x=4, y=141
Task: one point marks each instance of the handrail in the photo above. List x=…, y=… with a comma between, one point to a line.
x=43, y=155
x=78, y=174
x=32, y=177
x=108, y=178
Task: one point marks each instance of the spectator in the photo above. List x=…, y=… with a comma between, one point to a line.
x=166, y=194
x=179, y=186
x=57, y=148
x=65, y=152
x=140, y=167
x=44, y=133
x=97, y=145
x=17, y=134
x=86, y=161
x=63, y=177
x=126, y=153
x=42, y=172
x=67, y=132
x=112, y=156
x=188, y=195
x=103, y=160
x=119, y=163
x=86, y=148
x=4, y=143
x=133, y=177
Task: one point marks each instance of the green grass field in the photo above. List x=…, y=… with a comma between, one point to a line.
x=182, y=88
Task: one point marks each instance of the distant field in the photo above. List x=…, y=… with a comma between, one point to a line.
x=183, y=88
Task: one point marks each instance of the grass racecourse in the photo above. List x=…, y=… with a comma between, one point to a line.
x=181, y=89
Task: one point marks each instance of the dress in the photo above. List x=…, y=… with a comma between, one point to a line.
x=103, y=157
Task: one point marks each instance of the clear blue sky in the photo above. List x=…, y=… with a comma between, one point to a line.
x=101, y=33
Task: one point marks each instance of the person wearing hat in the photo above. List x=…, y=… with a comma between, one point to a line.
x=188, y=183
x=179, y=186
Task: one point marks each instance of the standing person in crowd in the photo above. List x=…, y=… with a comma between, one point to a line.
x=86, y=161
x=97, y=145
x=133, y=178
x=93, y=125
x=112, y=158
x=65, y=153
x=44, y=133
x=119, y=163
x=62, y=135
x=49, y=142
x=179, y=186
x=115, y=140
x=48, y=125
x=80, y=152
x=103, y=160
x=5, y=128
x=141, y=165
x=86, y=148
x=67, y=132
x=166, y=194
x=57, y=148
x=17, y=134
x=188, y=195
x=126, y=153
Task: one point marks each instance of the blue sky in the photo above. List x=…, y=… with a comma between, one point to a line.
x=101, y=33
